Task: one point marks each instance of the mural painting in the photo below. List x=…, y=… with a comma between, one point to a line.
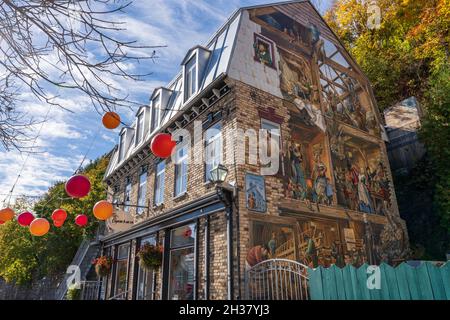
x=360, y=175
x=255, y=192
x=270, y=241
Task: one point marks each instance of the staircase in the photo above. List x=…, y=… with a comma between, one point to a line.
x=87, y=251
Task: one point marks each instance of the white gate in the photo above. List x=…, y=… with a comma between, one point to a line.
x=277, y=279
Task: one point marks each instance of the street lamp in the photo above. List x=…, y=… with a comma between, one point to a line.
x=226, y=193
x=218, y=174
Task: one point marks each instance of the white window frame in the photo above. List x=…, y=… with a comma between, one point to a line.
x=142, y=187
x=122, y=142
x=140, y=127
x=127, y=194
x=181, y=171
x=191, y=74
x=215, y=142
x=159, y=183
x=156, y=113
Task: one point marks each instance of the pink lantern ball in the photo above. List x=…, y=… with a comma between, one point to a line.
x=25, y=218
x=81, y=220
x=78, y=186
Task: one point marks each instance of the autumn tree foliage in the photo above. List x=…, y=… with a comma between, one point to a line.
x=408, y=55
x=24, y=258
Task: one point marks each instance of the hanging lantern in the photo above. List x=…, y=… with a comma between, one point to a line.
x=39, y=227
x=103, y=210
x=59, y=215
x=25, y=218
x=58, y=223
x=81, y=220
x=111, y=120
x=1, y=222
x=162, y=145
x=6, y=214
x=78, y=186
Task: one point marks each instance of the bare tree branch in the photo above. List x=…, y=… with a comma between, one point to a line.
x=66, y=44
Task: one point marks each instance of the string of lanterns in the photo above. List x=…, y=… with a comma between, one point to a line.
x=78, y=186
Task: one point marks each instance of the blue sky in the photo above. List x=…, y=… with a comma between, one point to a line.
x=65, y=137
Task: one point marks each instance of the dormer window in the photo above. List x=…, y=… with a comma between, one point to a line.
x=156, y=108
x=122, y=146
x=140, y=127
x=190, y=80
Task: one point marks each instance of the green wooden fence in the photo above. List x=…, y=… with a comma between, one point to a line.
x=404, y=282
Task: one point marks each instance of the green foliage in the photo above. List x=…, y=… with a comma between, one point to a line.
x=73, y=294
x=24, y=258
x=409, y=56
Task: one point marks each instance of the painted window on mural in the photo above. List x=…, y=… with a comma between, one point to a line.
x=345, y=96
x=181, y=170
x=264, y=51
x=255, y=192
x=270, y=241
x=127, y=196
x=213, y=148
x=182, y=259
x=121, y=271
x=362, y=182
x=159, y=183
x=142, y=192
x=144, y=289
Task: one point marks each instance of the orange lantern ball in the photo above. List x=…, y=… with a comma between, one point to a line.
x=111, y=120
x=6, y=214
x=39, y=227
x=103, y=210
x=59, y=215
x=162, y=145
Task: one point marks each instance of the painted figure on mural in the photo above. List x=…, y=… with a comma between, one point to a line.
x=322, y=189
x=365, y=204
x=311, y=251
x=297, y=165
x=273, y=244
x=257, y=254
x=263, y=52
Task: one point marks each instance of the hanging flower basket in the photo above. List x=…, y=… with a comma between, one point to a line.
x=150, y=256
x=102, y=265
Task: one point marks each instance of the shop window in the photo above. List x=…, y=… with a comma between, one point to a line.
x=121, y=271
x=145, y=282
x=182, y=263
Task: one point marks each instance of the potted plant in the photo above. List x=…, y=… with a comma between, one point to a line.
x=150, y=256
x=102, y=265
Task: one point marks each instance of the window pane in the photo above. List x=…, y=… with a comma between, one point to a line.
x=123, y=252
x=159, y=185
x=127, y=197
x=183, y=236
x=213, y=150
x=142, y=193
x=121, y=278
x=145, y=285
x=181, y=274
x=181, y=171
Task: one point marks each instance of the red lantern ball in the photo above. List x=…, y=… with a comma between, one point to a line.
x=162, y=145
x=2, y=222
x=78, y=186
x=59, y=215
x=81, y=220
x=25, y=218
x=58, y=223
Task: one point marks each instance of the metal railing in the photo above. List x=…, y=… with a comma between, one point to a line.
x=90, y=290
x=277, y=279
x=79, y=256
x=120, y=296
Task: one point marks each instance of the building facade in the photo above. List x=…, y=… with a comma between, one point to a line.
x=321, y=195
